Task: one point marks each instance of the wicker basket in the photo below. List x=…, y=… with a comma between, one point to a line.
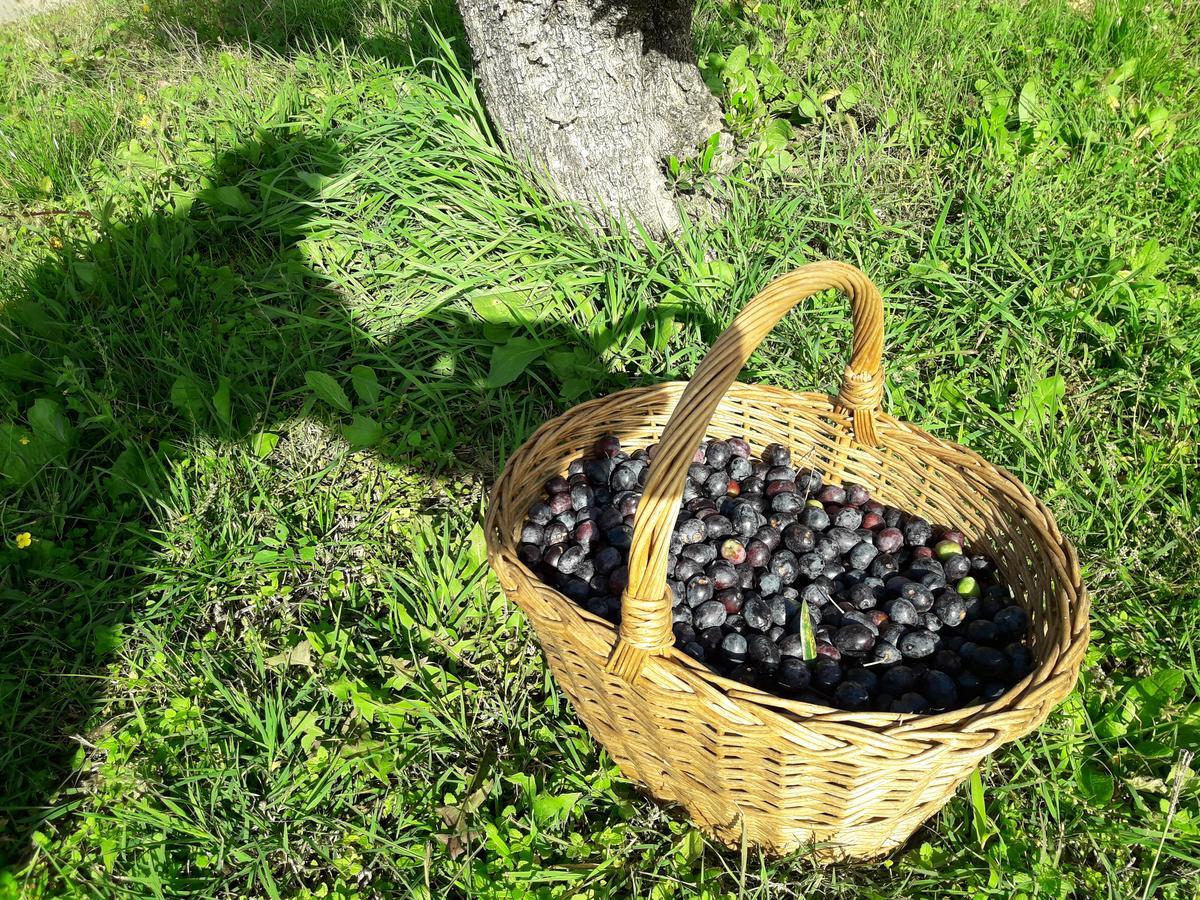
x=747, y=765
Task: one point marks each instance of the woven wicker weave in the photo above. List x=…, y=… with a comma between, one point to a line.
x=747, y=765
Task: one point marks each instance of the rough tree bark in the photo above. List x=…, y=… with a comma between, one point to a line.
x=595, y=94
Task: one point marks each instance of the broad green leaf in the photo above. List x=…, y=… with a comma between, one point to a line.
x=87, y=272
x=15, y=461
x=490, y=306
x=227, y=196
x=129, y=474
x=18, y=365
x=848, y=99
x=1041, y=405
x=550, y=808
x=327, y=389
x=575, y=387
x=222, y=401
x=737, y=59
x=265, y=557
x=188, y=394
x=264, y=443
x=300, y=655
x=363, y=432
x=476, y=545
x=773, y=141
x=1152, y=693
x=1096, y=784
x=106, y=639
x=510, y=359
x=1029, y=104
x=366, y=384
x=48, y=422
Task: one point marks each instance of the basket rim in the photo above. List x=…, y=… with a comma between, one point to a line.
x=969, y=718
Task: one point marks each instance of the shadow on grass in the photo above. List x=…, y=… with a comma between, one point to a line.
x=207, y=323
x=394, y=32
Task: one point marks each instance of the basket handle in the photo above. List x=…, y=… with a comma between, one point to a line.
x=645, y=611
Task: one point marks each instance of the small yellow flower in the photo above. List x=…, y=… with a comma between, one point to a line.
x=145, y=121
x=24, y=539
x=55, y=243
x=24, y=441
x=141, y=98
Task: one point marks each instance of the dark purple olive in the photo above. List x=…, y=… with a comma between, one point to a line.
x=799, y=538
x=856, y=495
x=851, y=695
x=570, y=559
x=709, y=614
x=559, y=503
x=809, y=482
x=793, y=673
x=861, y=618
x=608, y=559
x=844, y=538
x=815, y=518
x=968, y=686
x=991, y=690
x=624, y=478
x=777, y=455
x=989, y=662
x=862, y=555
x=757, y=554
x=847, y=517
x=826, y=673
x=940, y=689
x=918, y=644
x=983, y=631
x=950, y=608
x=889, y=540
x=739, y=447
x=854, y=639
x=948, y=661
x=917, y=531
x=699, y=590
x=609, y=445
x=702, y=553
x=723, y=575
x=886, y=653
x=757, y=614
x=785, y=565
x=687, y=568
x=832, y=493
x=763, y=652
x=1020, y=660
x=734, y=646
x=1011, y=622
x=910, y=703
x=731, y=599
x=618, y=580
x=692, y=531
x=901, y=612
x=956, y=566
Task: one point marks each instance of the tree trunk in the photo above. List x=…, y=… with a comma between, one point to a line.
x=595, y=94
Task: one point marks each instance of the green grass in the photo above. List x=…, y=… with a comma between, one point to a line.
x=257, y=264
